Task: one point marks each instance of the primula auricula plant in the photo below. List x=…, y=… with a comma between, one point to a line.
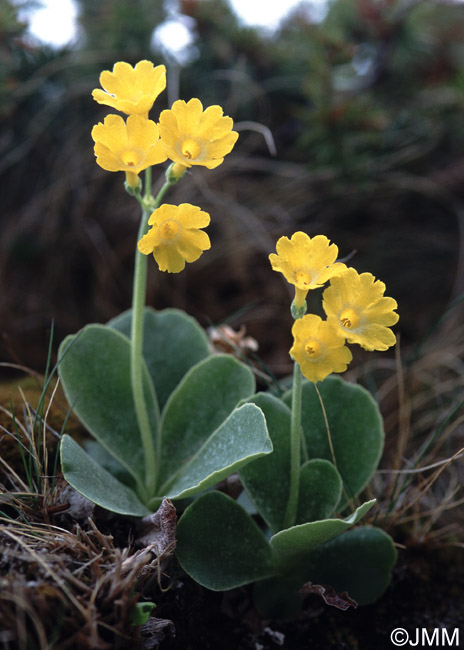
x=164, y=412
x=327, y=438
x=172, y=419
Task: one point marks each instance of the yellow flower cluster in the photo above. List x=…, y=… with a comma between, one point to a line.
x=355, y=306
x=186, y=134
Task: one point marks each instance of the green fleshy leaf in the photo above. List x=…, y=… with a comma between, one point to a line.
x=173, y=342
x=267, y=480
x=94, y=369
x=293, y=543
x=240, y=439
x=220, y=546
x=320, y=491
x=360, y=562
x=206, y=396
x=96, y=483
x=356, y=429
x=104, y=459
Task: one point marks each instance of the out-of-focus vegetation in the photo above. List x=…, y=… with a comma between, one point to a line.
x=366, y=113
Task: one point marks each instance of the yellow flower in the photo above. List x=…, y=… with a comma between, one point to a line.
x=129, y=147
x=356, y=306
x=192, y=136
x=318, y=348
x=306, y=263
x=131, y=90
x=175, y=236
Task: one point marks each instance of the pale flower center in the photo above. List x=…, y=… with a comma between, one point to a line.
x=131, y=158
x=302, y=278
x=169, y=229
x=349, y=319
x=190, y=149
x=312, y=349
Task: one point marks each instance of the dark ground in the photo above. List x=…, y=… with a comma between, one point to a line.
x=427, y=591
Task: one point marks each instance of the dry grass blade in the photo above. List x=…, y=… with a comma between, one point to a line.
x=82, y=582
x=68, y=587
x=424, y=424
x=48, y=569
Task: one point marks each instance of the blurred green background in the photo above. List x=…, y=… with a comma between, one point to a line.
x=350, y=127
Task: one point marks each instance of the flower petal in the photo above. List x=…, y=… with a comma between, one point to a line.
x=188, y=115
x=356, y=306
x=156, y=155
x=112, y=133
x=106, y=159
x=169, y=259
x=141, y=132
x=210, y=164
x=148, y=242
x=221, y=147
x=191, y=216
x=103, y=98
x=192, y=245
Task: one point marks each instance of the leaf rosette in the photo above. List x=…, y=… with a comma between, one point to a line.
x=200, y=432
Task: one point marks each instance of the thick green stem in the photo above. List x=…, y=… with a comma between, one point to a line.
x=295, y=449
x=147, y=183
x=136, y=365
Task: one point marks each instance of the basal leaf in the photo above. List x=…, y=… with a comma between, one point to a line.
x=360, y=562
x=96, y=483
x=241, y=438
x=94, y=369
x=173, y=342
x=104, y=459
x=220, y=546
x=355, y=424
x=320, y=491
x=293, y=543
x=266, y=480
x=206, y=396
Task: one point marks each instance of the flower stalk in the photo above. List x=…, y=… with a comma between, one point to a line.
x=295, y=449
x=191, y=136
x=136, y=354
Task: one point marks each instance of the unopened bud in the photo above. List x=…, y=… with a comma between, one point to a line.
x=174, y=172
